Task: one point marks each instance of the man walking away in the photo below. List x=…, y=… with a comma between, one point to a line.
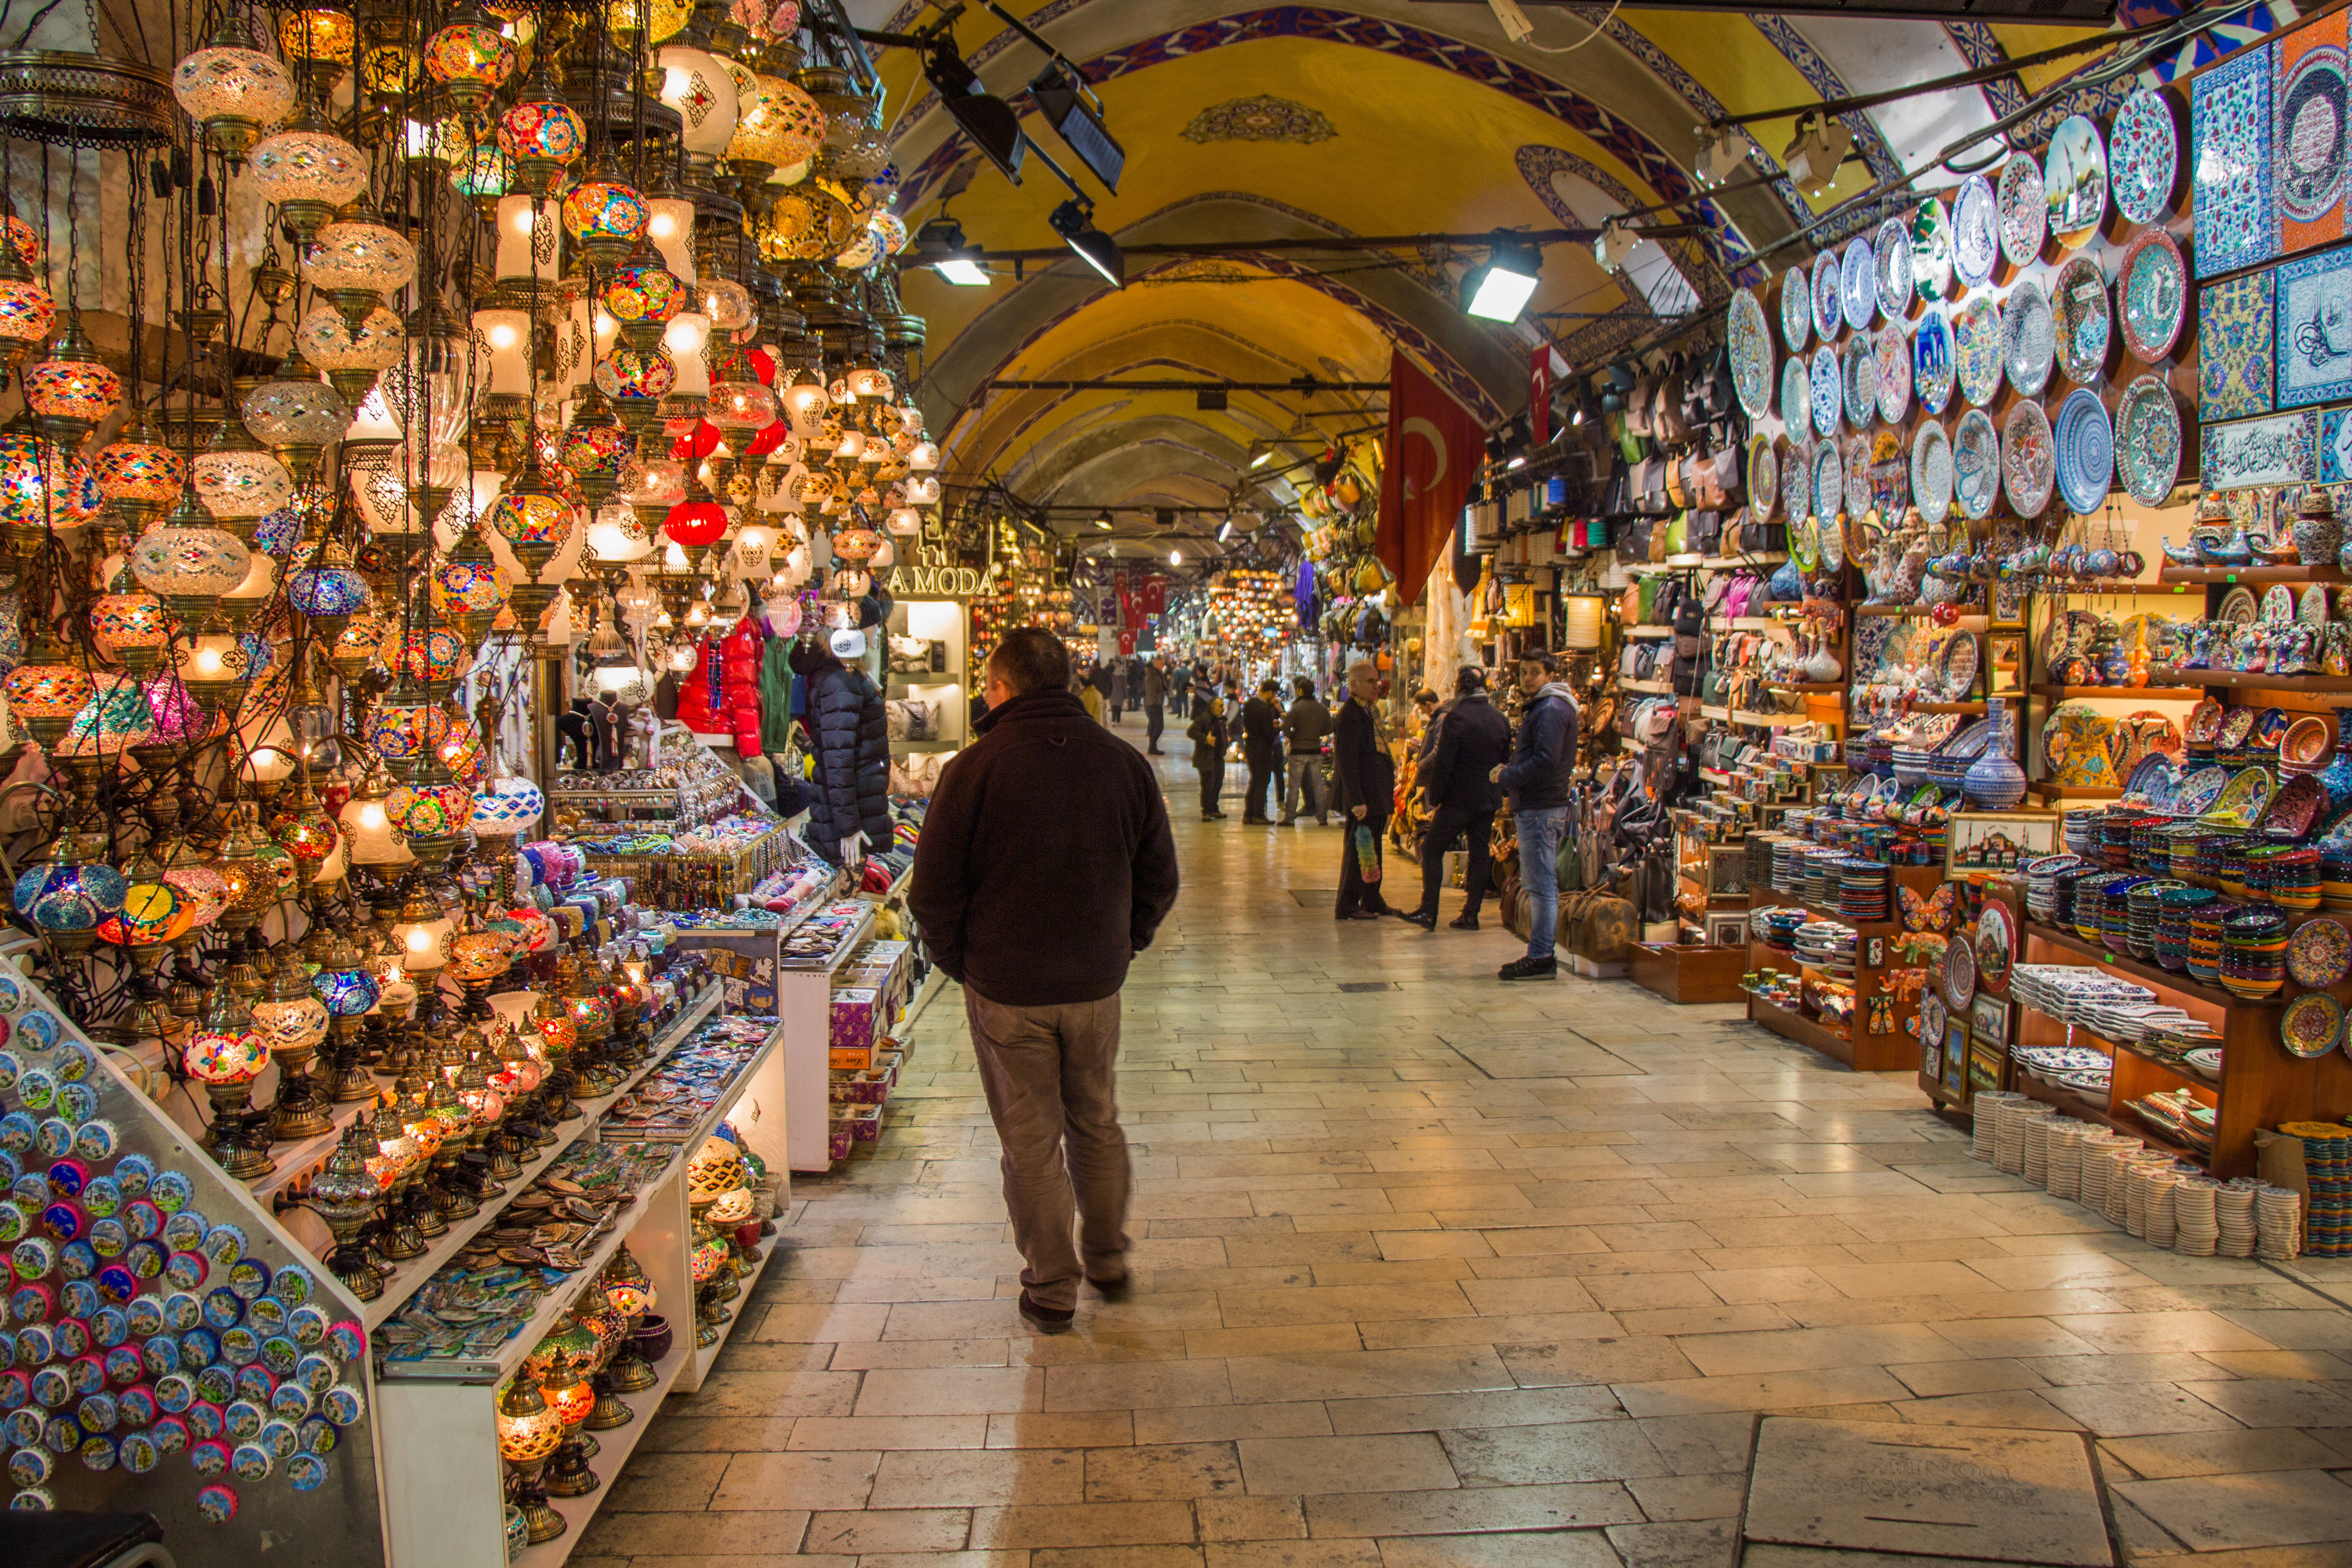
x=1537, y=777
x=1048, y=811
x=1473, y=740
x=1366, y=792
x=1155, y=704
x=1209, y=740
x=1304, y=727
x=1117, y=689
x=1261, y=747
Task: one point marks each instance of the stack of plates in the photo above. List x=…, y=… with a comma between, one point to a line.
x=1827, y=946
x=1776, y=928
x=1821, y=878
x=2204, y=1058
x=2064, y=1175
x=2143, y=906
x=2205, y=922
x=1784, y=863
x=2196, y=1229
x=2081, y=831
x=2115, y=910
x=2253, y=951
x=1865, y=889
x=2041, y=884
x=2278, y=1216
x=2079, y=994
x=1987, y=1103
x=2335, y=873
x=2173, y=908
x=2233, y=1216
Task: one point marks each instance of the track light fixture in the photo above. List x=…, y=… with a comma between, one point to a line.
x=941, y=244
x=1499, y=288
x=987, y=121
x=1615, y=246
x=1812, y=158
x=1720, y=160
x=1074, y=220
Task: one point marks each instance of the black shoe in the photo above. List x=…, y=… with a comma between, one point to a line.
x=1528, y=969
x=1154, y=751
x=1045, y=1319
x=1416, y=918
x=1117, y=1289
x=1217, y=817
x=1359, y=914
x=1285, y=822
x=1257, y=822
x=1463, y=922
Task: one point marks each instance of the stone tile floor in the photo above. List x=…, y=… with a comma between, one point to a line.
x=1409, y=1297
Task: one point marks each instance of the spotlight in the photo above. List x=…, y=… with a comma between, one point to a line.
x=1719, y=161
x=1225, y=533
x=1615, y=246
x=988, y=123
x=1263, y=459
x=941, y=244
x=1068, y=102
x=1103, y=524
x=1175, y=558
x=1813, y=159
x=1074, y=220
x=1499, y=288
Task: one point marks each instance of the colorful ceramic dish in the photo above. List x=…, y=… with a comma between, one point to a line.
x=1976, y=350
x=2029, y=459
x=2152, y=295
x=1796, y=309
x=1858, y=283
x=1829, y=310
x=2199, y=790
x=1829, y=395
x=1893, y=249
x=2024, y=217
x=1959, y=975
x=1996, y=946
x=1747, y=343
x=2241, y=802
x=1858, y=375
x=1931, y=250
x=2311, y=1025
x=2319, y=954
x=2295, y=807
x=1931, y=471
x=1828, y=480
x=2204, y=721
x=2083, y=322
x=1932, y=360
x=1976, y=465
x=2143, y=156
x=1976, y=233
x=2028, y=338
x=1894, y=374
x=2074, y=176
x=2305, y=747
x=1763, y=476
x=2147, y=440
x=2087, y=451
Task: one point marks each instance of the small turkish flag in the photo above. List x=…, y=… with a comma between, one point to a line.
x=1434, y=448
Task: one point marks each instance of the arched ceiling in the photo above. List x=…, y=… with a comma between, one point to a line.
x=1244, y=123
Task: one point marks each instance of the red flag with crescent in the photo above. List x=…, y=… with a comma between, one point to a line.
x=1434, y=447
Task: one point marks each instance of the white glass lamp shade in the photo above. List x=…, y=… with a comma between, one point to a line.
x=728, y=305
x=529, y=238
x=904, y=522
x=438, y=392
x=445, y=142
x=372, y=421
x=441, y=464
x=327, y=342
x=924, y=458
x=311, y=166
x=687, y=338
x=508, y=333
x=290, y=413
x=671, y=229
x=224, y=82
x=703, y=93
x=574, y=360
x=361, y=254
x=870, y=383
x=367, y=828
x=617, y=536
x=382, y=497
x=741, y=407
x=242, y=484
x=193, y=562
x=806, y=403
x=922, y=490
x=424, y=945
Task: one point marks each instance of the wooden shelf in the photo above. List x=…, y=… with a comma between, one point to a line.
x=2138, y=693
x=1810, y=687
x=2154, y=974
x=1967, y=612
x=1945, y=708
x=1649, y=629
x=2072, y=792
x=614, y=1447
x=1873, y=1052
x=2333, y=683
x=1648, y=687
x=2253, y=576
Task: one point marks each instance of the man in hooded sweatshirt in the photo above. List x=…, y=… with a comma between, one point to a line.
x=1537, y=777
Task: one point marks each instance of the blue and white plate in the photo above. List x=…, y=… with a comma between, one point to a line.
x=1796, y=309
x=1931, y=471
x=1976, y=350
x=1892, y=247
x=1933, y=363
x=1859, y=372
x=1976, y=232
x=1976, y=464
x=1829, y=480
x=1829, y=310
x=1828, y=394
x=1858, y=282
x=2087, y=451
x=1797, y=397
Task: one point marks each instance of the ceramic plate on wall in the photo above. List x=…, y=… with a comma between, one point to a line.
x=1976, y=465
x=1931, y=471
x=2024, y=218
x=1827, y=392
x=2074, y=176
x=1797, y=397
x=2152, y=295
x=1893, y=373
x=1931, y=249
x=1860, y=374
x=1763, y=476
x=2028, y=338
x=2083, y=324
x=2087, y=451
x=2147, y=440
x=1976, y=232
x=1931, y=360
x=1796, y=309
x=1829, y=312
x=1857, y=476
x=1858, y=283
x=1893, y=249
x=1828, y=480
x=1748, y=340
x=2143, y=156
x=2029, y=459
x=1976, y=350
x=1797, y=482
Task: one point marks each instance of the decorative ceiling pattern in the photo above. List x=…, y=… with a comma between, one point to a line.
x=1265, y=117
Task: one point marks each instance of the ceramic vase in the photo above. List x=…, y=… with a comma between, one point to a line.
x=1994, y=782
x=2317, y=539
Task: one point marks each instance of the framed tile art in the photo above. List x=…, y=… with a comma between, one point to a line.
x=2308, y=140
x=2335, y=446
x=2282, y=449
x=2230, y=162
x=2311, y=326
x=2235, y=335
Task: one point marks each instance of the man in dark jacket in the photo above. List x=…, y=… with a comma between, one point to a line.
x=1304, y=728
x=1209, y=738
x=1367, y=794
x=1261, y=747
x=1473, y=740
x=1155, y=704
x=850, y=735
x=1537, y=777
x=1047, y=814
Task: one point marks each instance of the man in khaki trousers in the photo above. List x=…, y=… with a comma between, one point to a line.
x=1045, y=863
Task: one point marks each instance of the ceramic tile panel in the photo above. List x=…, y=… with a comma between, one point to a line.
x=2230, y=162
x=2282, y=449
x=2335, y=446
x=2234, y=334
x=2309, y=145
x=2312, y=324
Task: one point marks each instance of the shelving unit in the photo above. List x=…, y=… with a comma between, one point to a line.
x=1857, y=1048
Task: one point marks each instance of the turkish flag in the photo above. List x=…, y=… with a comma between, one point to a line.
x=1544, y=373
x=1127, y=642
x=1155, y=595
x=1434, y=448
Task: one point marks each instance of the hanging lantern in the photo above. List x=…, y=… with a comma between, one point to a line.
x=604, y=218
x=232, y=90
x=695, y=523
x=470, y=59
x=309, y=172
x=72, y=392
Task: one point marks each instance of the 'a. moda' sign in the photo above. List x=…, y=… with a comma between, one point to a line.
x=936, y=572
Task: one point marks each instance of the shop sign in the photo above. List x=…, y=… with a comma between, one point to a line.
x=937, y=573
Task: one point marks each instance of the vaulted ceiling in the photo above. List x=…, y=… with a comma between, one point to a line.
x=1248, y=123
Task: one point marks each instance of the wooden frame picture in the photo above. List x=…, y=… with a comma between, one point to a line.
x=1982, y=844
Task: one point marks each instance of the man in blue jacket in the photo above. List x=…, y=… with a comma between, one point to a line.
x=1537, y=777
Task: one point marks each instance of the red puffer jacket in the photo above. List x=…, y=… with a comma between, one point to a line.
x=738, y=684
x=694, y=707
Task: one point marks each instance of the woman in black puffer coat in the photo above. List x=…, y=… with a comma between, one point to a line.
x=850, y=794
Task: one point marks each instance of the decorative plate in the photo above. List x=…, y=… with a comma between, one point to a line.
x=1931, y=471
x=1797, y=480
x=2311, y=1025
x=1893, y=249
x=2236, y=725
x=1932, y=360
x=1976, y=465
x=1931, y=249
x=1932, y=1019
x=2087, y=451
x=2277, y=606
x=1796, y=398
x=2143, y=156
x=1828, y=480
x=2062, y=1058
x=1832, y=545
x=1796, y=309
x=1860, y=375
x=1996, y=945
x=1976, y=350
x=1958, y=671
x=2199, y=791
x=2294, y=807
x=2204, y=721
x=2242, y=800
x=2028, y=338
x=2029, y=459
x=1763, y=476
x=1976, y=232
x=2152, y=295
x=2147, y=440
x=2083, y=321
x=2311, y=609
x=1829, y=314
x=1857, y=476
x=2238, y=607
x=1959, y=976
x=1748, y=339
x=2151, y=781
x=2074, y=173
x=2319, y=954
x=1894, y=374
x=1805, y=544
x=2024, y=218
x=1828, y=394
x=1858, y=283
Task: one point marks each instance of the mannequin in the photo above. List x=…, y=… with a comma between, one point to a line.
x=578, y=727
x=850, y=795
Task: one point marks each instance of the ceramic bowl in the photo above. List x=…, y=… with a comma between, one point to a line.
x=653, y=1336
x=2306, y=747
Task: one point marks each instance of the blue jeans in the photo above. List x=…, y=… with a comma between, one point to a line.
x=1539, y=833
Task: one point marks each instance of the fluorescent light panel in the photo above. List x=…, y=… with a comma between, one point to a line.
x=1502, y=293
x=965, y=271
